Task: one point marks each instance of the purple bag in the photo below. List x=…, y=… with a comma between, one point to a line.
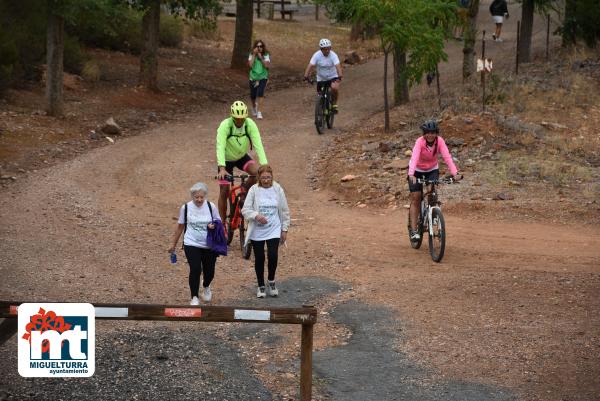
x=215, y=238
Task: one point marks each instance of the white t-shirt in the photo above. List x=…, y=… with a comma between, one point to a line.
x=325, y=65
x=267, y=206
x=198, y=219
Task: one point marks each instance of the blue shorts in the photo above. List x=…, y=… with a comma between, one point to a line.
x=257, y=88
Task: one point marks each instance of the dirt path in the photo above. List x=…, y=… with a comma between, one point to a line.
x=513, y=305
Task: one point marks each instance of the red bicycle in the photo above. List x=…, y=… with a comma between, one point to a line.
x=235, y=219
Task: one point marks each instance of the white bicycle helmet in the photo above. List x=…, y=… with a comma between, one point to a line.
x=324, y=43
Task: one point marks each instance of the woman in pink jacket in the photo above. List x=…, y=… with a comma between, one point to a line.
x=424, y=164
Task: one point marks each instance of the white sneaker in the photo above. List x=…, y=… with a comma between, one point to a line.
x=272, y=290
x=195, y=301
x=415, y=236
x=206, y=294
x=260, y=293
x=499, y=40
x=259, y=115
x=253, y=112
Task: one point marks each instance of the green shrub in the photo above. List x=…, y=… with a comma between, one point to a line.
x=171, y=30
x=203, y=28
x=115, y=28
x=9, y=57
x=23, y=28
x=74, y=56
x=91, y=71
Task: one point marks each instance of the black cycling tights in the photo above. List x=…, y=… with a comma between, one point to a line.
x=259, y=259
x=200, y=260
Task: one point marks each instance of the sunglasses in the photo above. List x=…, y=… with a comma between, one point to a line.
x=261, y=46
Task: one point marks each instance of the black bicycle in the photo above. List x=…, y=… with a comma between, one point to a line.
x=431, y=219
x=324, y=111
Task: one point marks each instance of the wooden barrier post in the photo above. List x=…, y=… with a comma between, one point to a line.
x=8, y=328
x=305, y=316
x=306, y=362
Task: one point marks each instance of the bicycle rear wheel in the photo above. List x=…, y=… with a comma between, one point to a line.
x=319, y=115
x=437, y=237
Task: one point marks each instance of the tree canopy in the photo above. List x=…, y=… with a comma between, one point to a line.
x=417, y=27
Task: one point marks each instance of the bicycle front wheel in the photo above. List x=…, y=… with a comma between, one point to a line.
x=230, y=216
x=330, y=117
x=437, y=237
x=319, y=115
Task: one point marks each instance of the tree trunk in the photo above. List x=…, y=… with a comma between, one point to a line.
x=526, y=31
x=357, y=31
x=469, y=44
x=149, y=56
x=386, y=104
x=55, y=43
x=243, y=34
x=437, y=83
x=360, y=31
x=569, y=25
x=401, y=94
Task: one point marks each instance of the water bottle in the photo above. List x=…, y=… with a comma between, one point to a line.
x=173, y=258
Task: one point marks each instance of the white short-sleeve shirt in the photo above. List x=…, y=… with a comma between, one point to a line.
x=325, y=65
x=198, y=219
x=267, y=203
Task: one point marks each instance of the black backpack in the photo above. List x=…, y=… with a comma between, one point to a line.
x=232, y=129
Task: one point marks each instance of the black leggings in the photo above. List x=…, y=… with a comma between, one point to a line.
x=259, y=259
x=200, y=260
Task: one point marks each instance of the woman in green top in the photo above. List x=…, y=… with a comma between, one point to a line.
x=259, y=63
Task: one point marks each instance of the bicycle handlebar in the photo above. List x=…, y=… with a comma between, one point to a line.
x=231, y=178
x=445, y=180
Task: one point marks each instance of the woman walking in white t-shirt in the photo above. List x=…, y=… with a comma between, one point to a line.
x=195, y=218
x=268, y=216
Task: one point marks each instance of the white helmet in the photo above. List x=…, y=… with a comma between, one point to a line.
x=324, y=43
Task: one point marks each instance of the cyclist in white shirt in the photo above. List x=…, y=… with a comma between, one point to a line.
x=329, y=69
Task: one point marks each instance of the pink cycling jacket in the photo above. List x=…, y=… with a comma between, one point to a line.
x=425, y=159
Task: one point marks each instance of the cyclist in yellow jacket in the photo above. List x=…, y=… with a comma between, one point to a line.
x=236, y=135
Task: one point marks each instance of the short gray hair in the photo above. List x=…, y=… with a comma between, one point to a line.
x=199, y=187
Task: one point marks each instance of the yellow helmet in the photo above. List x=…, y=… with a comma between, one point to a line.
x=239, y=109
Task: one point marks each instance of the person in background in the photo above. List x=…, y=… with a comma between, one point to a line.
x=268, y=216
x=499, y=11
x=195, y=218
x=259, y=62
x=329, y=70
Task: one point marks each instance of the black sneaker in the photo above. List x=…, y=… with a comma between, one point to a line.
x=334, y=109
